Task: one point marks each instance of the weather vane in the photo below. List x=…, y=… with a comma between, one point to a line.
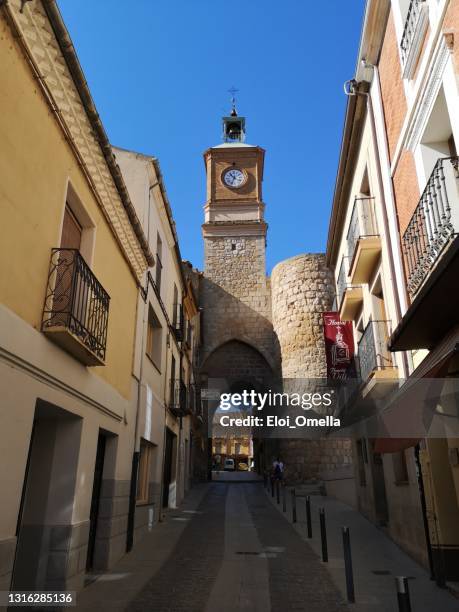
x=233, y=91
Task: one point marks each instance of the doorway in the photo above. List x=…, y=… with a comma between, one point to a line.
x=169, y=471
x=95, y=499
x=44, y=526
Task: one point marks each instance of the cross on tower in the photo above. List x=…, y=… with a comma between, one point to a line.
x=233, y=91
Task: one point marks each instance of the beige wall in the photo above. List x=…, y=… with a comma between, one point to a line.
x=36, y=164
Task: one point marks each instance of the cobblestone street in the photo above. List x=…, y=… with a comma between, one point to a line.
x=230, y=547
x=235, y=552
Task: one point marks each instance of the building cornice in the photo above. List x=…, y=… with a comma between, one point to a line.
x=234, y=228
x=49, y=50
x=352, y=135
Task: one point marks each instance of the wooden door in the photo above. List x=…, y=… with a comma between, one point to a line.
x=70, y=239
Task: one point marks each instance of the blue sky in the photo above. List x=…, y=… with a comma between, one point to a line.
x=159, y=71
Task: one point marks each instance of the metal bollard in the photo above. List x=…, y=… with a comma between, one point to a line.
x=293, y=506
x=284, y=499
x=277, y=492
x=323, y=535
x=348, y=565
x=308, y=516
x=403, y=594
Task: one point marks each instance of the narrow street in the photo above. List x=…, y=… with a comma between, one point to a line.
x=235, y=552
x=230, y=548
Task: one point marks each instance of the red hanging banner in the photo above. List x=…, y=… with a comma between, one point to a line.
x=339, y=346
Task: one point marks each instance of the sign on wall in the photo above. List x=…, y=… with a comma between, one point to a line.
x=339, y=346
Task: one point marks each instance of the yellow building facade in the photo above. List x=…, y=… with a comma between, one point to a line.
x=72, y=258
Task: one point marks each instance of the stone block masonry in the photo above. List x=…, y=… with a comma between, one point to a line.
x=302, y=289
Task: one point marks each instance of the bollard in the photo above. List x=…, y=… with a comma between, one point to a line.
x=403, y=594
x=308, y=516
x=272, y=486
x=284, y=499
x=348, y=565
x=293, y=506
x=277, y=492
x=323, y=535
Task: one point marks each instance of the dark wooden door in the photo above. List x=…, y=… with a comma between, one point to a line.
x=95, y=500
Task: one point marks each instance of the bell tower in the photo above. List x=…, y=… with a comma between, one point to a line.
x=234, y=229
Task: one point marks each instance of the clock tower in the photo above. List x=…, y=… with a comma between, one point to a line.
x=234, y=230
x=235, y=291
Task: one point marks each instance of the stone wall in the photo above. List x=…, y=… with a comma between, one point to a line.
x=302, y=289
x=235, y=296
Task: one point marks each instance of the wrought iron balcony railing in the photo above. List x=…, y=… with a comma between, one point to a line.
x=195, y=404
x=434, y=223
x=363, y=223
x=341, y=283
x=178, y=322
x=372, y=349
x=413, y=31
x=158, y=272
x=178, y=398
x=78, y=304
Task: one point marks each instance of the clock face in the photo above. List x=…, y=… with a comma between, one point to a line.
x=234, y=177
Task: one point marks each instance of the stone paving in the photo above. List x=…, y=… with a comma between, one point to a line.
x=229, y=548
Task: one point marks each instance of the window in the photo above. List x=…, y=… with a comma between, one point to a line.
x=175, y=307
x=143, y=476
x=154, y=338
x=159, y=265
x=362, y=458
x=172, y=383
x=400, y=468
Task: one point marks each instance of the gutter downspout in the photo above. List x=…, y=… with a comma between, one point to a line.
x=351, y=91
x=136, y=453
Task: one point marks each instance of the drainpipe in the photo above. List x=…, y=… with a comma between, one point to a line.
x=422, y=495
x=351, y=90
x=136, y=453
x=161, y=493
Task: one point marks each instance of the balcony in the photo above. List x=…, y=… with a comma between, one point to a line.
x=430, y=247
x=75, y=314
x=363, y=241
x=413, y=35
x=179, y=399
x=434, y=223
x=195, y=399
x=178, y=322
x=349, y=297
x=377, y=370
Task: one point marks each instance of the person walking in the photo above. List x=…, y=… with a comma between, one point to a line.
x=278, y=469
